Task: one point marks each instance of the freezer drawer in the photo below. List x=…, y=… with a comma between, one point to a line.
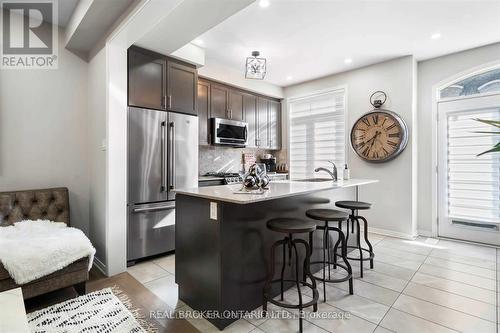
x=151, y=229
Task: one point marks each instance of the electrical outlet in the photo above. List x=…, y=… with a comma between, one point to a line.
x=213, y=210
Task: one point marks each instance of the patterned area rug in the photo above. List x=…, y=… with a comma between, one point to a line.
x=104, y=311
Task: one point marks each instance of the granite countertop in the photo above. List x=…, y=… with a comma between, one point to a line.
x=278, y=189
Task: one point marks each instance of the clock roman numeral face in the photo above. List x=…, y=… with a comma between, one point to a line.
x=377, y=136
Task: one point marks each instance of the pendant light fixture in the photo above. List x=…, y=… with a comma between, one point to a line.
x=255, y=67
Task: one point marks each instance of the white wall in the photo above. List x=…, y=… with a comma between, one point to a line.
x=393, y=198
x=43, y=131
x=219, y=72
x=430, y=73
x=97, y=155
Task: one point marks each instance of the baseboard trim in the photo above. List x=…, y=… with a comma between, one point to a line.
x=100, y=266
x=425, y=233
x=390, y=233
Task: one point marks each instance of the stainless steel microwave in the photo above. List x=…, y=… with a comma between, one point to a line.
x=229, y=132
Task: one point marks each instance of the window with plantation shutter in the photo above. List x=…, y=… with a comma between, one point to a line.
x=317, y=133
x=473, y=181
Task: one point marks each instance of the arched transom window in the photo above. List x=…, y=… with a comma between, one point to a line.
x=486, y=82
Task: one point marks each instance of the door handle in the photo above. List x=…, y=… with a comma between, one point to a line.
x=163, y=186
x=172, y=155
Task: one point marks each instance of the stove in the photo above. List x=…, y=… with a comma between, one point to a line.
x=228, y=177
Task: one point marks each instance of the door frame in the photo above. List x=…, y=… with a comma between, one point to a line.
x=435, y=159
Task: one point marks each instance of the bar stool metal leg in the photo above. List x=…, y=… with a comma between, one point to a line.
x=325, y=249
x=283, y=269
x=358, y=241
x=365, y=234
x=267, y=285
x=344, y=258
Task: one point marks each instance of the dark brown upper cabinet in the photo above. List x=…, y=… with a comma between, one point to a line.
x=263, y=114
x=236, y=104
x=203, y=106
x=182, y=85
x=250, y=116
x=219, y=101
x=274, y=123
x=146, y=79
x=262, y=123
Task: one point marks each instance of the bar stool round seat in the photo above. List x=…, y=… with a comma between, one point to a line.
x=291, y=225
x=326, y=216
x=357, y=205
x=365, y=254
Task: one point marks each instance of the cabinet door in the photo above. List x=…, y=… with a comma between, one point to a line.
x=203, y=106
x=262, y=123
x=181, y=87
x=250, y=116
x=146, y=79
x=219, y=101
x=236, y=104
x=274, y=124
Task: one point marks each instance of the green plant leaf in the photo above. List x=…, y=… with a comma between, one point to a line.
x=483, y=132
x=495, y=123
x=495, y=149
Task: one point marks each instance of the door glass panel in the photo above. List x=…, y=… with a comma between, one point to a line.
x=473, y=181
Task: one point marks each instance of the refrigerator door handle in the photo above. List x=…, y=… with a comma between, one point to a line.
x=172, y=155
x=153, y=209
x=163, y=188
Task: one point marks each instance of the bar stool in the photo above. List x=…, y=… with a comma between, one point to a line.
x=327, y=216
x=354, y=206
x=290, y=227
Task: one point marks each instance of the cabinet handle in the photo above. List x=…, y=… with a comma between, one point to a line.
x=164, y=102
x=169, y=102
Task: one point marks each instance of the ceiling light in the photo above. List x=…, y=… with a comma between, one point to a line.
x=348, y=60
x=198, y=42
x=437, y=35
x=289, y=78
x=264, y=3
x=255, y=67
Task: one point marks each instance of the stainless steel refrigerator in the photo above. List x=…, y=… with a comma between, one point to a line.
x=162, y=156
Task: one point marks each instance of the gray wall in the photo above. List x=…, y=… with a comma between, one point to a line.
x=43, y=131
x=394, y=198
x=97, y=155
x=431, y=73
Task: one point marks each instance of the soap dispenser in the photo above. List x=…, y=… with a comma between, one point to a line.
x=346, y=173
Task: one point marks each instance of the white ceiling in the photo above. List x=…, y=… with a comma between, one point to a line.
x=307, y=39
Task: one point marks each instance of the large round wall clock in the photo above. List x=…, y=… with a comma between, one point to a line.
x=379, y=135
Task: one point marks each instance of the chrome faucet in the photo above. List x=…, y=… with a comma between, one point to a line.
x=332, y=174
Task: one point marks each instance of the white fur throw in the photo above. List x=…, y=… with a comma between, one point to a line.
x=30, y=250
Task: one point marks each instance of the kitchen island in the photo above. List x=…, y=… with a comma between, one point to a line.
x=223, y=245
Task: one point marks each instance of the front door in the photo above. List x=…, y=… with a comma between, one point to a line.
x=468, y=185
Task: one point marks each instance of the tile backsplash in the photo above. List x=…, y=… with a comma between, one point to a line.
x=224, y=159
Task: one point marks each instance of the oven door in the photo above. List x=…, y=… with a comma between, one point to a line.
x=229, y=132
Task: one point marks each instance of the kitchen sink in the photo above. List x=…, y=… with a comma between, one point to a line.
x=314, y=180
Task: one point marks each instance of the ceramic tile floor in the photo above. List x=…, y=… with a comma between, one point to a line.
x=425, y=285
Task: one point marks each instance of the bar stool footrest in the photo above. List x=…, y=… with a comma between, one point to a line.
x=344, y=267
x=370, y=257
x=294, y=306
